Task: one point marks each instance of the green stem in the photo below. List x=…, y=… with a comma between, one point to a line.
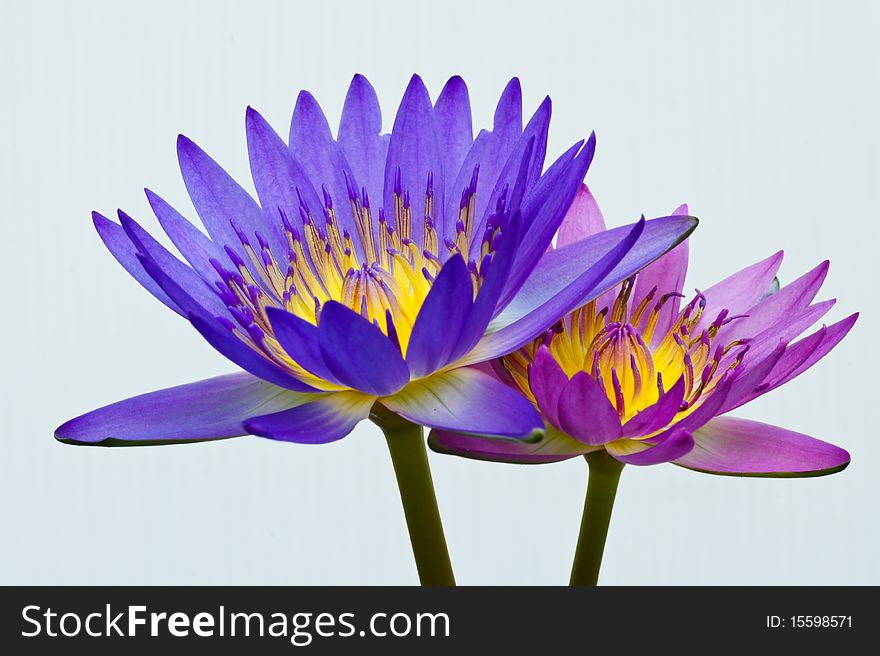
x=601, y=490
x=410, y=460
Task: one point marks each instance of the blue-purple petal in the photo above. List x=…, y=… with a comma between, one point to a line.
x=209, y=409
x=358, y=353
x=325, y=419
x=441, y=320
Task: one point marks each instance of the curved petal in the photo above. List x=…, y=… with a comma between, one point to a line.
x=219, y=200
x=325, y=419
x=441, y=319
x=667, y=274
x=222, y=339
x=528, y=154
x=570, y=276
x=192, y=243
x=280, y=180
x=584, y=218
x=455, y=131
x=358, y=354
x=547, y=380
x=585, y=412
x=209, y=409
x=740, y=291
x=312, y=144
x=634, y=452
x=360, y=136
x=656, y=416
x=741, y=447
x=553, y=447
x=468, y=401
x=126, y=253
x=299, y=339
x=184, y=277
x=490, y=153
x=414, y=154
x=777, y=308
x=805, y=353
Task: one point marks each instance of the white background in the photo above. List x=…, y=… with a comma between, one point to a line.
x=762, y=115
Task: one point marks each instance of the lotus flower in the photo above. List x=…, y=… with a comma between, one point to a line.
x=374, y=270
x=633, y=377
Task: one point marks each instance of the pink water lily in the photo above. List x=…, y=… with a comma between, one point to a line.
x=648, y=377
x=638, y=376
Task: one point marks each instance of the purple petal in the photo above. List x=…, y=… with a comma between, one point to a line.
x=570, y=276
x=189, y=240
x=739, y=292
x=804, y=354
x=748, y=377
x=299, y=339
x=218, y=199
x=209, y=409
x=545, y=207
x=196, y=289
x=357, y=353
x=415, y=152
x=279, y=178
x=244, y=355
x=673, y=446
x=455, y=131
x=126, y=253
x=468, y=401
x=583, y=219
x=789, y=328
x=741, y=447
x=532, y=145
x=490, y=151
x=585, y=412
x=322, y=159
x=360, y=136
x=656, y=416
x=326, y=419
x=441, y=319
x=554, y=447
x=667, y=274
x=777, y=307
x=547, y=380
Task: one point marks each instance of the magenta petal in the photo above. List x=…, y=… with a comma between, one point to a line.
x=778, y=307
x=553, y=447
x=325, y=419
x=667, y=274
x=209, y=409
x=741, y=447
x=655, y=417
x=804, y=354
x=547, y=380
x=584, y=218
x=748, y=379
x=585, y=412
x=673, y=446
x=740, y=292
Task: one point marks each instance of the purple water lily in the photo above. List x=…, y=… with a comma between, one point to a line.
x=373, y=271
x=643, y=376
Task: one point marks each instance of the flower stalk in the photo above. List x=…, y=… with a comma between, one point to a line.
x=601, y=490
x=406, y=444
